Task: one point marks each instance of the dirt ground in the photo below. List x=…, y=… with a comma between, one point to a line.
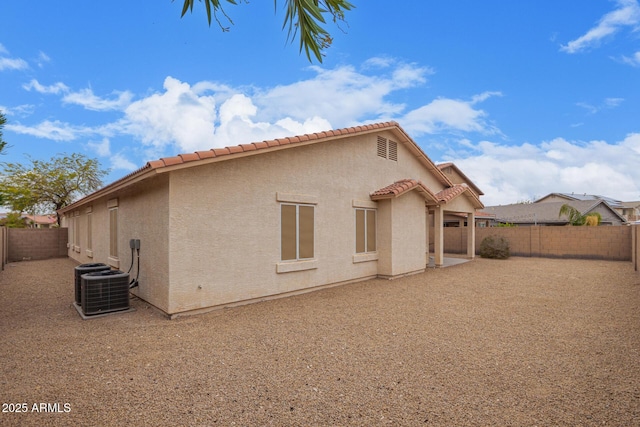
x=521, y=342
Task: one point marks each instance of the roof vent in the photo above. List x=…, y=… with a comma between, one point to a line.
x=387, y=149
x=382, y=147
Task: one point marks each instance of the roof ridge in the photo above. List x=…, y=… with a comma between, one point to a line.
x=254, y=146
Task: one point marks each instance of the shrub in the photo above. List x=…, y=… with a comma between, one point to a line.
x=494, y=247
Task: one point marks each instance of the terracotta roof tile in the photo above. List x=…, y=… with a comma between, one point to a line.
x=189, y=157
x=169, y=161
x=235, y=149
x=450, y=193
x=261, y=145
x=400, y=187
x=208, y=154
x=220, y=151
x=155, y=164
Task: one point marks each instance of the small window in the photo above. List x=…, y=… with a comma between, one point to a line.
x=365, y=230
x=297, y=231
x=89, y=237
x=113, y=232
x=76, y=233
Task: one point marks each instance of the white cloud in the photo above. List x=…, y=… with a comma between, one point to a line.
x=13, y=64
x=507, y=174
x=444, y=114
x=118, y=161
x=178, y=115
x=87, y=99
x=607, y=104
x=634, y=60
x=627, y=14
x=42, y=59
x=54, y=130
x=184, y=117
x=56, y=88
x=102, y=148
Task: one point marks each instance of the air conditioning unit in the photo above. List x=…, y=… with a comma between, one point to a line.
x=104, y=292
x=84, y=269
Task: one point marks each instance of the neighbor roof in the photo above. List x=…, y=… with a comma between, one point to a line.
x=584, y=197
x=167, y=164
x=546, y=213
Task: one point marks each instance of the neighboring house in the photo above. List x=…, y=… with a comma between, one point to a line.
x=547, y=213
x=41, y=221
x=630, y=211
x=568, y=197
x=37, y=221
x=244, y=223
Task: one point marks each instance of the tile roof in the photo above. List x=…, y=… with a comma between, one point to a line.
x=450, y=193
x=548, y=212
x=443, y=197
x=583, y=197
x=254, y=146
x=198, y=157
x=400, y=187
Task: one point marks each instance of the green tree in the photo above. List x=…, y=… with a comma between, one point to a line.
x=13, y=220
x=49, y=185
x=3, y=143
x=576, y=218
x=304, y=19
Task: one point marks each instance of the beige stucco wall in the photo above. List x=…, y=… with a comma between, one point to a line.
x=143, y=213
x=407, y=235
x=224, y=220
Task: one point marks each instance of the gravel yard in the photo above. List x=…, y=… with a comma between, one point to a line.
x=521, y=342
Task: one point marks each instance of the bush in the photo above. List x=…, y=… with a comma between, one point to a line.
x=494, y=247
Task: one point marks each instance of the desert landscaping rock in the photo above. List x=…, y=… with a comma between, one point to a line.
x=517, y=342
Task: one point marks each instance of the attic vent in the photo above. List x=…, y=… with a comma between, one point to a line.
x=387, y=149
x=382, y=147
x=393, y=151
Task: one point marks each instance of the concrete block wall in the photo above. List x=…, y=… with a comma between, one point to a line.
x=608, y=243
x=33, y=243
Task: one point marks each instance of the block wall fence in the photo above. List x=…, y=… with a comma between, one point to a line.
x=606, y=242
x=609, y=243
x=34, y=243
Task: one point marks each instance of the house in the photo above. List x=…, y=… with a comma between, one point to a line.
x=547, y=212
x=41, y=221
x=233, y=225
x=566, y=197
x=630, y=211
x=36, y=221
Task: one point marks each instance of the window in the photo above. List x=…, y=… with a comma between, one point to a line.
x=297, y=231
x=76, y=232
x=113, y=232
x=365, y=230
x=89, y=237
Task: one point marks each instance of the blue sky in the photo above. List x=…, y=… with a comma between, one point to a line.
x=527, y=97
